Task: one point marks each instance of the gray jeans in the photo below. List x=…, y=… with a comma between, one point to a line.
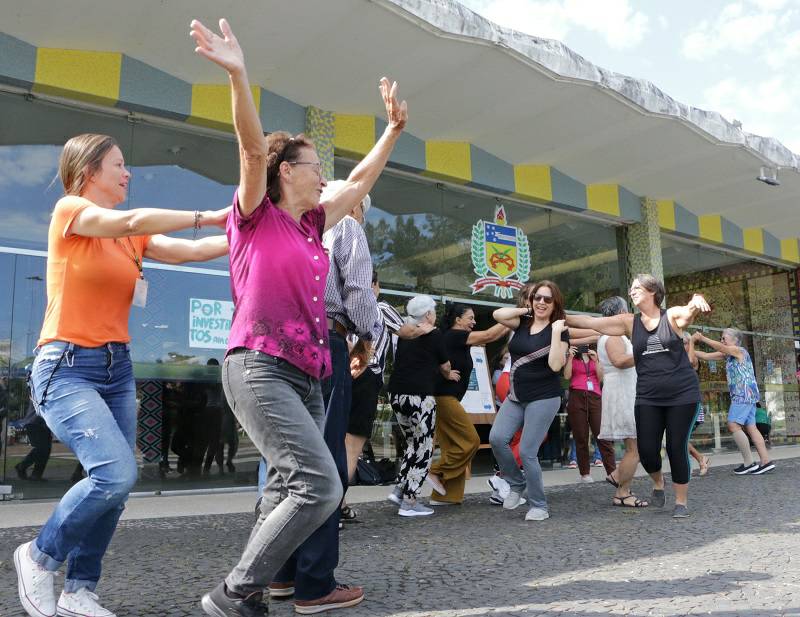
x=535, y=418
x=282, y=411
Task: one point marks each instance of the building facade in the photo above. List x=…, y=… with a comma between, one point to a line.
x=449, y=218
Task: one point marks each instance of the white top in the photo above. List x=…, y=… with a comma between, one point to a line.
x=619, y=395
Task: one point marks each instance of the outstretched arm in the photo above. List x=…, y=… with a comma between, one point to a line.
x=366, y=173
x=226, y=52
x=97, y=222
x=717, y=346
x=484, y=337
x=616, y=325
x=177, y=250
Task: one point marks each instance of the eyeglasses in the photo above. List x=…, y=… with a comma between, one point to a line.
x=314, y=165
x=541, y=298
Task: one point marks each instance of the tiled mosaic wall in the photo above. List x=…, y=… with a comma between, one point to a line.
x=320, y=127
x=643, y=243
x=750, y=297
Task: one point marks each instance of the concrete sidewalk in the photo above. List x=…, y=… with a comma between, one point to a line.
x=237, y=501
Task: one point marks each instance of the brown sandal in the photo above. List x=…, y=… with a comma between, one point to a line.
x=624, y=503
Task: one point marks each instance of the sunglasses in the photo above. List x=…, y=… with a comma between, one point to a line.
x=541, y=298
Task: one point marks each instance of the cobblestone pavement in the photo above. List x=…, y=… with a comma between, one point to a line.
x=738, y=554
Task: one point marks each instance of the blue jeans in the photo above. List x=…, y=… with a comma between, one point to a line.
x=573, y=455
x=312, y=565
x=87, y=396
x=280, y=407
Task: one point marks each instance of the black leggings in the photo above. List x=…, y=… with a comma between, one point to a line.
x=678, y=421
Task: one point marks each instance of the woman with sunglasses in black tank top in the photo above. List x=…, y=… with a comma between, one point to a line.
x=667, y=388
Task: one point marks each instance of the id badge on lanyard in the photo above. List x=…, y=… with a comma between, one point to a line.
x=140, y=292
x=140, y=288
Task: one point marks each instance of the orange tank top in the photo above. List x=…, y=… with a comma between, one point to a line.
x=90, y=281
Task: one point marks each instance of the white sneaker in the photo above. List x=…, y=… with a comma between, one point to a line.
x=82, y=603
x=414, y=509
x=537, y=514
x=396, y=496
x=35, y=584
x=513, y=500
x=585, y=480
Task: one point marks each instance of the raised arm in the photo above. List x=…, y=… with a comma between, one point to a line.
x=509, y=316
x=366, y=173
x=226, y=52
x=558, y=348
x=484, y=337
x=571, y=351
x=616, y=325
x=598, y=368
x=684, y=316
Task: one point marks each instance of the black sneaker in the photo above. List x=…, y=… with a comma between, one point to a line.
x=742, y=470
x=218, y=603
x=763, y=468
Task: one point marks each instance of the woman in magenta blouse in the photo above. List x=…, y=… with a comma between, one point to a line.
x=278, y=346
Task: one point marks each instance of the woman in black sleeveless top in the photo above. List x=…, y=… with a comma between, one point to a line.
x=667, y=388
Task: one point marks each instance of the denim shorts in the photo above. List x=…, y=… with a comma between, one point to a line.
x=742, y=413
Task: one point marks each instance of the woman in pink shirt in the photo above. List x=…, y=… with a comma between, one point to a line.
x=584, y=407
x=278, y=345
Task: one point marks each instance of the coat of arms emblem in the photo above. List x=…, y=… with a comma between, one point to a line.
x=501, y=256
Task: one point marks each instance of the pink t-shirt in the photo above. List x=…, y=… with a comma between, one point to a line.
x=580, y=379
x=278, y=269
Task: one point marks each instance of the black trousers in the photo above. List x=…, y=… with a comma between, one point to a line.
x=651, y=423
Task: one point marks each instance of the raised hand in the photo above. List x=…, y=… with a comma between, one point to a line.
x=573, y=351
x=396, y=113
x=222, y=50
x=558, y=326
x=699, y=302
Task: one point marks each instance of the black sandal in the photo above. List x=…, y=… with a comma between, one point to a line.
x=610, y=479
x=349, y=515
x=622, y=502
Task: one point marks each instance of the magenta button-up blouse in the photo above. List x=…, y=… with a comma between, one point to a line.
x=278, y=270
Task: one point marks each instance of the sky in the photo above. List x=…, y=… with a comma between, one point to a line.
x=739, y=58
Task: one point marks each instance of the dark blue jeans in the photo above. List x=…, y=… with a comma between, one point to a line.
x=312, y=565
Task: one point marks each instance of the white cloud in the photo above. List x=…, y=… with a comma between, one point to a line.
x=757, y=105
x=785, y=50
x=768, y=5
x=616, y=21
x=27, y=166
x=736, y=29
